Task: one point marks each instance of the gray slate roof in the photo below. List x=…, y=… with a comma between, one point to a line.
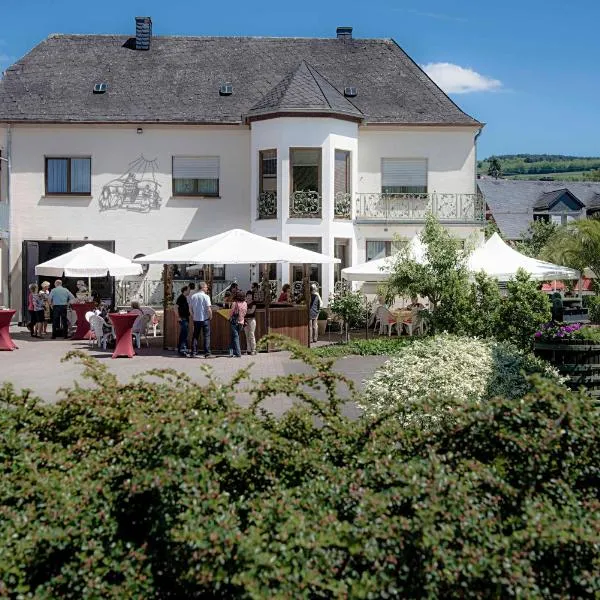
x=512, y=202
x=547, y=199
x=178, y=79
x=304, y=89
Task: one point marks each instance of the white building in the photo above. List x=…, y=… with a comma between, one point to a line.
x=143, y=143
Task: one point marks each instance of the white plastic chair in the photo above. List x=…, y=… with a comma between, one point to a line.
x=414, y=323
x=387, y=321
x=140, y=328
x=100, y=337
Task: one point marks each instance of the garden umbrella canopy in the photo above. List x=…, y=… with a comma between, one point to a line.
x=380, y=269
x=497, y=259
x=236, y=247
x=88, y=261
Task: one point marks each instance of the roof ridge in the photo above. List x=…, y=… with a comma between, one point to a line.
x=310, y=70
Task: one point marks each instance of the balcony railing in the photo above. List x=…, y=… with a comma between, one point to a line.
x=267, y=205
x=458, y=208
x=305, y=205
x=342, y=205
x=3, y=219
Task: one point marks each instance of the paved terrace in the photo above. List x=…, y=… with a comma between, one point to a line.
x=37, y=365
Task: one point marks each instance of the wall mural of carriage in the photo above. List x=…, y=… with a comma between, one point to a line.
x=137, y=189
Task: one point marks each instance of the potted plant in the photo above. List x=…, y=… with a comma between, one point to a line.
x=322, y=321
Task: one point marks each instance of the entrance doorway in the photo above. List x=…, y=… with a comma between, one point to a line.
x=36, y=252
x=297, y=271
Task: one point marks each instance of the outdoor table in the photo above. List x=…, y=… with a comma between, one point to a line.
x=123, y=324
x=83, y=327
x=6, y=342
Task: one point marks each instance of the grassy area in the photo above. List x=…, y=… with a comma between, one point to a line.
x=374, y=347
x=566, y=176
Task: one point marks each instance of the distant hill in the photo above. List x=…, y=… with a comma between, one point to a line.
x=545, y=167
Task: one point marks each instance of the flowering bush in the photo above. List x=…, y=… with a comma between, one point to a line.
x=550, y=332
x=429, y=378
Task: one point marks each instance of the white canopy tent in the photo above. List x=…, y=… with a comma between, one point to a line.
x=379, y=269
x=495, y=258
x=236, y=247
x=88, y=261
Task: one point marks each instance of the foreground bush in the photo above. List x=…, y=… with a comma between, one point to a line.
x=171, y=490
x=442, y=372
x=376, y=346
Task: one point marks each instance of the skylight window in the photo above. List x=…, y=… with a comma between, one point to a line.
x=226, y=89
x=100, y=88
x=350, y=92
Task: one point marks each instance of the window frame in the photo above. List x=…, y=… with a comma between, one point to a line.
x=261, y=175
x=405, y=158
x=348, y=162
x=68, y=192
x=319, y=191
x=391, y=246
x=195, y=194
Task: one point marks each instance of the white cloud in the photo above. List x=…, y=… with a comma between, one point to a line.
x=454, y=79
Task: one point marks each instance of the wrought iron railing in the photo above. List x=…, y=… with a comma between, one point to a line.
x=305, y=205
x=462, y=208
x=267, y=205
x=342, y=205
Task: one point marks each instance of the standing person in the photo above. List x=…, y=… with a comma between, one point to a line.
x=38, y=307
x=200, y=306
x=59, y=300
x=31, y=309
x=183, y=309
x=250, y=323
x=45, y=294
x=286, y=294
x=236, y=321
x=313, y=312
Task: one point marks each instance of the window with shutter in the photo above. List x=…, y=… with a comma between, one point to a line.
x=342, y=172
x=305, y=165
x=268, y=171
x=196, y=176
x=404, y=176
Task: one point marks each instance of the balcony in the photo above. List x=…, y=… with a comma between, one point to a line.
x=3, y=220
x=305, y=205
x=413, y=208
x=267, y=205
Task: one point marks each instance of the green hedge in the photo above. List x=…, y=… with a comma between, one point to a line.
x=166, y=489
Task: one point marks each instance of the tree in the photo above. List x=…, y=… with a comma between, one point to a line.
x=441, y=276
x=522, y=311
x=575, y=245
x=350, y=307
x=536, y=237
x=495, y=168
x=485, y=305
x=491, y=228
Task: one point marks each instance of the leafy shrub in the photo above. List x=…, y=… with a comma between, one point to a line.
x=593, y=305
x=350, y=307
x=484, y=306
x=522, y=311
x=447, y=371
x=167, y=489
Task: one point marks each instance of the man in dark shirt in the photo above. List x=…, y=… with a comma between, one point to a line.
x=183, y=308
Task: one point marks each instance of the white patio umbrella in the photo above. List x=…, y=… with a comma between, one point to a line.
x=88, y=261
x=380, y=269
x=236, y=247
x=497, y=259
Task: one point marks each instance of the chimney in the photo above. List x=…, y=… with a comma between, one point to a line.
x=143, y=33
x=344, y=33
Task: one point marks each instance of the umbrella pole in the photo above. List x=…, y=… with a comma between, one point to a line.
x=89, y=286
x=167, y=291
x=267, y=295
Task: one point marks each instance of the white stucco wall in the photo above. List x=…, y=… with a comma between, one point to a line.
x=451, y=163
x=37, y=216
x=450, y=154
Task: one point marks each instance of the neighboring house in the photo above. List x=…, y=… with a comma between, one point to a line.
x=513, y=204
x=140, y=144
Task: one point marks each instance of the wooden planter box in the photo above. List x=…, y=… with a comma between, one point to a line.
x=578, y=359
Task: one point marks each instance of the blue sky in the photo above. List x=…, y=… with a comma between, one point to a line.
x=527, y=68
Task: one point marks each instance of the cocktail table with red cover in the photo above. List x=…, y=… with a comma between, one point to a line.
x=6, y=342
x=83, y=327
x=123, y=324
